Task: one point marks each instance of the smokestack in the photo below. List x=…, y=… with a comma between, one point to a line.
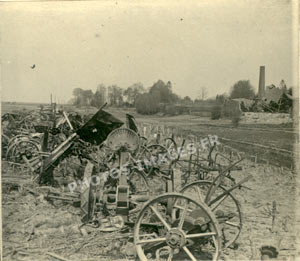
x=261, y=86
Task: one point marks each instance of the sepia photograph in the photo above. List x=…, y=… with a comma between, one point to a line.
x=149, y=130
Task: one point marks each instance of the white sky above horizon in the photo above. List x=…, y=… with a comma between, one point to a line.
x=192, y=44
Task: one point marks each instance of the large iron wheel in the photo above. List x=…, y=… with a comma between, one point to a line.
x=226, y=209
x=188, y=232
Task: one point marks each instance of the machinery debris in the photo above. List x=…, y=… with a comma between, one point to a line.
x=155, y=200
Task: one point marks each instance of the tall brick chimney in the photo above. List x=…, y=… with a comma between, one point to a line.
x=261, y=86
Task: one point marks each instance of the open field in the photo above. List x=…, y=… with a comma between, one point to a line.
x=279, y=136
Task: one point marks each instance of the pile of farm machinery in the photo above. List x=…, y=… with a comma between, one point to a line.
x=176, y=203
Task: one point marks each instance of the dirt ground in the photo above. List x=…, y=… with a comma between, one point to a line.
x=34, y=229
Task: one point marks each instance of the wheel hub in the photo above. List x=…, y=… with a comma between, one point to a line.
x=175, y=238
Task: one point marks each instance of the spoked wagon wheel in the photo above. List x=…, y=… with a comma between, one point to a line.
x=152, y=157
x=226, y=209
x=189, y=232
x=23, y=151
x=138, y=183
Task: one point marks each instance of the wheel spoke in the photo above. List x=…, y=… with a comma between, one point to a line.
x=201, y=235
x=182, y=208
x=179, y=207
x=232, y=224
x=141, y=191
x=219, y=202
x=183, y=216
x=152, y=240
x=189, y=253
x=199, y=194
x=160, y=217
x=171, y=254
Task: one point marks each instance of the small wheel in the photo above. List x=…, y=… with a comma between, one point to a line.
x=155, y=164
x=157, y=153
x=152, y=158
x=189, y=232
x=226, y=209
x=138, y=183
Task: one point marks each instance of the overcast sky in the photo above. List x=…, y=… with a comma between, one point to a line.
x=210, y=43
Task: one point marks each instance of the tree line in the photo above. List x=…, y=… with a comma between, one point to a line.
x=112, y=94
x=148, y=100
x=145, y=100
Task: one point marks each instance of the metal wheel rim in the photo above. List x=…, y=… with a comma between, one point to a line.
x=216, y=238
